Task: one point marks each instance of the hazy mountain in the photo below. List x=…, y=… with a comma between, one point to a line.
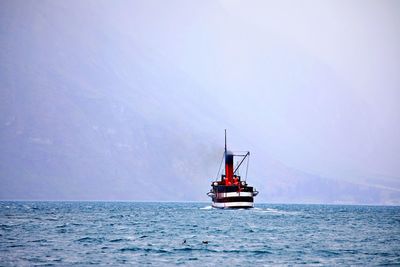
x=91, y=109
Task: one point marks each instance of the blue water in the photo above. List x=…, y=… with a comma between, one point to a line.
x=114, y=233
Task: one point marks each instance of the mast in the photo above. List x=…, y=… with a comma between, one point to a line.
x=225, y=142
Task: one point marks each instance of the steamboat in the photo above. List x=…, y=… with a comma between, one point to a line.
x=231, y=190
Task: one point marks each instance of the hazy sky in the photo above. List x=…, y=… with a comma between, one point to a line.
x=317, y=83
x=310, y=85
x=335, y=88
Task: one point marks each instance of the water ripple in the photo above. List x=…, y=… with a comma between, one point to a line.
x=195, y=234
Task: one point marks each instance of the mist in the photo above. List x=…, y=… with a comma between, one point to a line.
x=128, y=100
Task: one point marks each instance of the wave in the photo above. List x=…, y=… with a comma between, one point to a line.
x=132, y=249
x=275, y=211
x=90, y=240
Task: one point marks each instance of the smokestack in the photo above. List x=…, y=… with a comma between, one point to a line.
x=228, y=167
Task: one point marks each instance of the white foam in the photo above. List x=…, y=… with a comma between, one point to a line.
x=275, y=211
x=272, y=210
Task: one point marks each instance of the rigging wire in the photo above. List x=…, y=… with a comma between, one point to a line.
x=247, y=167
x=220, y=167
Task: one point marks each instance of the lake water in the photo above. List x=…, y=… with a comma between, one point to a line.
x=194, y=234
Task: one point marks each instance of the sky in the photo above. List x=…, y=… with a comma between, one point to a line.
x=129, y=99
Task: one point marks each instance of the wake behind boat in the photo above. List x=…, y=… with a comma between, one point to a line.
x=231, y=191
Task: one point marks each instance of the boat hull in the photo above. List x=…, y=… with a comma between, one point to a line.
x=233, y=205
x=232, y=197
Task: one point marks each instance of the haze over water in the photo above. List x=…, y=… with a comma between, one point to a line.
x=127, y=100
x=194, y=234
